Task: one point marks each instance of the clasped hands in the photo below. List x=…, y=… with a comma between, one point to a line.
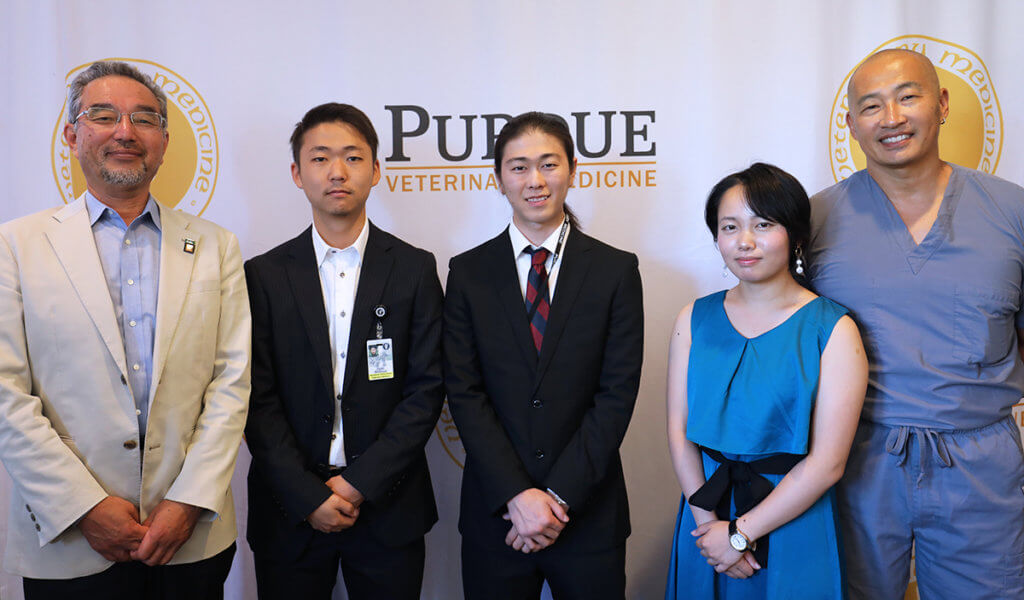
x=113, y=530
x=537, y=520
x=713, y=541
x=340, y=510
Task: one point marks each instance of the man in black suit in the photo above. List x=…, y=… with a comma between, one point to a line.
x=347, y=384
x=543, y=347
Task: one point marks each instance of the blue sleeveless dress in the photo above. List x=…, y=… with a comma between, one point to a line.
x=748, y=399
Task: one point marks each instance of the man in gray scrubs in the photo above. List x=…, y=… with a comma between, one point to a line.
x=929, y=257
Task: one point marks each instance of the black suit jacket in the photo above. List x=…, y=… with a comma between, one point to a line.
x=386, y=422
x=554, y=421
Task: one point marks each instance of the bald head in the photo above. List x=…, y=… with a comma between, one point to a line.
x=896, y=107
x=912, y=66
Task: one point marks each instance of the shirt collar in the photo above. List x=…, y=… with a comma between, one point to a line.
x=519, y=240
x=98, y=209
x=321, y=248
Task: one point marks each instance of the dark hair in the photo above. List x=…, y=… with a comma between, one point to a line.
x=772, y=194
x=548, y=123
x=330, y=113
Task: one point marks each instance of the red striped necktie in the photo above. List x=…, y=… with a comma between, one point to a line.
x=537, y=303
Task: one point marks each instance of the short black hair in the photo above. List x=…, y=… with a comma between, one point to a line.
x=772, y=194
x=333, y=112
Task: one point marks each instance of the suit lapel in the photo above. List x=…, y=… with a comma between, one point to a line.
x=304, y=279
x=373, y=275
x=571, y=276
x=175, y=279
x=72, y=240
x=510, y=295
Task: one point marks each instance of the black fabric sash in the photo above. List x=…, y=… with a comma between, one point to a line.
x=741, y=483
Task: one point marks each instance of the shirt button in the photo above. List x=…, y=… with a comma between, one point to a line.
x=37, y=527
x=334, y=436
x=342, y=274
x=341, y=354
x=127, y=242
x=123, y=380
x=131, y=323
x=539, y=454
x=130, y=444
x=338, y=396
x=138, y=412
x=131, y=282
x=135, y=367
x=342, y=313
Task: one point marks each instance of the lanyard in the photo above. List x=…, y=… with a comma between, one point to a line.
x=561, y=241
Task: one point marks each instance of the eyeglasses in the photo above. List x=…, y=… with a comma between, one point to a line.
x=109, y=117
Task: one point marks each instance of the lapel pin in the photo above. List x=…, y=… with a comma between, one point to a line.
x=189, y=246
x=380, y=311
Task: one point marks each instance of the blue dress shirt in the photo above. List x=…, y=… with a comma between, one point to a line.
x=130, y=255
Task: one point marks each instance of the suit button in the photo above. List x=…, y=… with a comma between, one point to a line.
x=327, y=418
x=537, y=403
x=130, y=444
x=539, y=454
x=355, y=456
x=345, y=409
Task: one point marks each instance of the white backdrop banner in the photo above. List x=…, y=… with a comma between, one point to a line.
x=663, y=98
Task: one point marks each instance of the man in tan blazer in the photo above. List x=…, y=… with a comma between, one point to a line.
x=124, y=369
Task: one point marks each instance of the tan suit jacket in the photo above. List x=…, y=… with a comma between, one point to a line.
x=68, y=429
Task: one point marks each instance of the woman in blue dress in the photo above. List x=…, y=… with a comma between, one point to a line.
x=765, y=387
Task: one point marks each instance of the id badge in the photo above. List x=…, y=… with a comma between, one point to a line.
x=380, y=359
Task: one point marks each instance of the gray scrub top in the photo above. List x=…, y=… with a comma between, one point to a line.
x=938, y=319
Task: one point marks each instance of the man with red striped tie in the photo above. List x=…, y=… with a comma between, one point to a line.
x=543, y=346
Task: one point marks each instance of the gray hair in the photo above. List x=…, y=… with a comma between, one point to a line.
x=105, y=68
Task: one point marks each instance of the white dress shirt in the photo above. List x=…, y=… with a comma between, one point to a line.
x=339, y=279
x=524, y=260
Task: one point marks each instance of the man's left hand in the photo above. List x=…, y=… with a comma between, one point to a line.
x=345, y=489
x=170, y=525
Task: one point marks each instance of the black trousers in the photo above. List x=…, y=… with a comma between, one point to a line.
x=505, y=574
x=372, y=571
x=202, y=580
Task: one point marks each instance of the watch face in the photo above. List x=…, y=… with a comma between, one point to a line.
x=738, y=542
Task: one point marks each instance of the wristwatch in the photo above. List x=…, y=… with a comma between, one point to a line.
x=737, y=539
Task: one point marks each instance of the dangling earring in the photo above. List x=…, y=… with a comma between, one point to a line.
x=799, y=253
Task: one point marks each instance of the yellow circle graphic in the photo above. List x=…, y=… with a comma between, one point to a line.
x=973, y=134
x=188, y=176
x=448, y=435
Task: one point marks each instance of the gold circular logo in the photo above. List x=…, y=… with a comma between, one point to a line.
x=449, y=437
x=188, y=175
x=973, y=134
